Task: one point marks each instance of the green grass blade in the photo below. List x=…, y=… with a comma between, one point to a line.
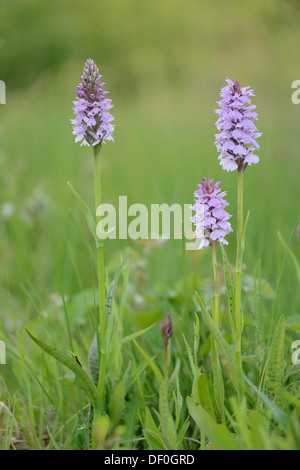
x=131, y=337
x=88, y=215
x=293, y=257
x=153, y=366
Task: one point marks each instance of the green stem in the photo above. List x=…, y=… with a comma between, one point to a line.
x=217, y=373
x=166, y=361
x=185, y=280
x=202, y=440
x=216, y=283
x=238, y=269
x=101, y=284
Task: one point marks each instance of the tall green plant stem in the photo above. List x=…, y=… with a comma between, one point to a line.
x=216, y=283
x=101, y=283
x=217, y=373
x=238, y=269
x=166, y=361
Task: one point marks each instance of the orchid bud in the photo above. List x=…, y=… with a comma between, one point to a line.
x=166, y=329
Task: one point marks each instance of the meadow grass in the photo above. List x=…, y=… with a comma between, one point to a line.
x=164, y=144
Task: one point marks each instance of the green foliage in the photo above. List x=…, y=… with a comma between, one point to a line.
x=71, y=363
x=276, y=412
x=275, y=362
x=217, y=379
x=93, y=360
x=224, y=346
x=47, y=269
x=88, y=215
x=117, y=404
x=293, y=257
x=202, y=396
x=218, y=434
x=230, y=288
x=152, y=435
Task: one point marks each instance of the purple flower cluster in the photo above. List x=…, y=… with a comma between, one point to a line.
x=211, y=219
x=237, y=139
x=92, y=124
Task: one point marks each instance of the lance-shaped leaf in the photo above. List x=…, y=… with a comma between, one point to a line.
x=217, y=433
x=152, y=434
x=71, y=363
x=202, y=395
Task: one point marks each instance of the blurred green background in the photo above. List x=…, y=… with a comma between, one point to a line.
x=164, y=63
